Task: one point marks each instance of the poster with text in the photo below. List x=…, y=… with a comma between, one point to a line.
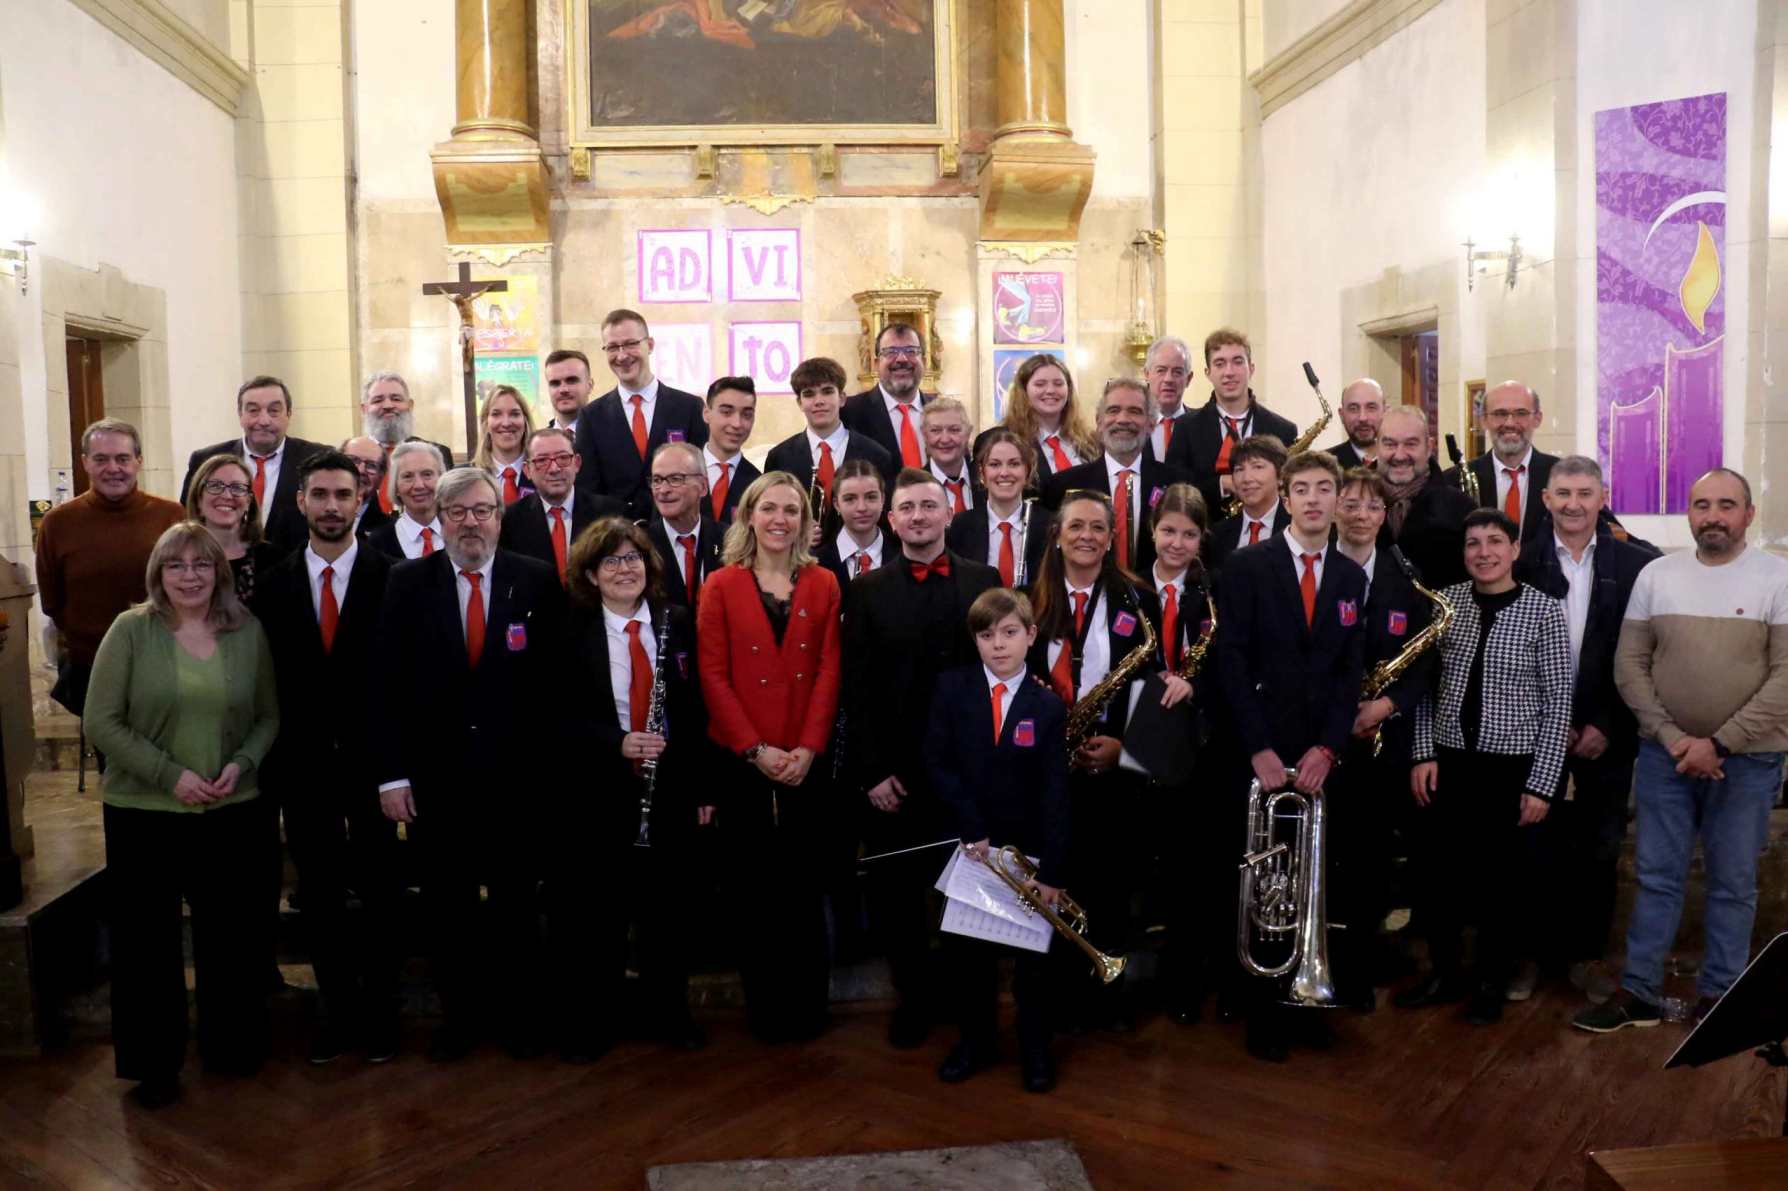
x=1660, y=310
x=507, y=321
x=521, y=372
x=1027, y=308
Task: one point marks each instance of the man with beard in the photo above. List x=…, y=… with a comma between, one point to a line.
x=617, y=432
x=1362, y=410
x=269, y=454
x=461, y=632
x=320, y=607
x=1167, y=368
x=545, y=522
x=890, y=413
x=1703, y=663
x=1132, y=479
x=388, y=417
x=1425, y=513
x=1215, y=429
x=1512, y=473
x=904, y=625
x=369, y=458
x=568, y=386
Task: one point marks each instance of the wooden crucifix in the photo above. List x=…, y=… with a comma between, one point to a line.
x=461, y=293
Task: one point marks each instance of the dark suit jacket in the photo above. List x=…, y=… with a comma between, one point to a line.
x=795, y=456
x=1203, y=434
x=1013, y=792
x=373, y=520
x=1539, y=472
x=1226, y=538
x=867, y=414
x=968, y=534
x=828, y=556
x=1345, y=454
x=611, y=462
x=1433, y=536
x=1152, y=479
x=1137, y=601
x=464, y=745
x=784, y=694
x=1395, y=613
x=525, y=528
x=1288, y=685
x=708, y=537
x=283, y=524
x=744, y=471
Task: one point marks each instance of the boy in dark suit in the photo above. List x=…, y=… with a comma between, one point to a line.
x=815, y=454
x=997, y=756
x=730, y=414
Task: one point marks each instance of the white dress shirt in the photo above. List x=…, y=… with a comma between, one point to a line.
x=914, y=414
x=1581, y=576
x=464, y=587
x=269, y=472
x=848, y=550
x=1095, y=654
x=409, y=535
x=647, y=406
x=1265, y=522
x=620, y=657
x=1159, y=434
x=968, y=487
x=1502, y=480
x=338, y=582
x=837, y=440
x=496, y=474
x=728, y=467
x=546, y=511
x=1066, y=443
x=994, y=537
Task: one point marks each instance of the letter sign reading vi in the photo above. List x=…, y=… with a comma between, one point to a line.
x=764, y=264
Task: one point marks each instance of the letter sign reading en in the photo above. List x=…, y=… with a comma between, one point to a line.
x=767, y=353
x=676, y=265
x=764, y=264
x=683, y=355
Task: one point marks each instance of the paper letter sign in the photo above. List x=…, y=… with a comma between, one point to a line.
x=767, y=353
x=676, y=265
x=764, y=264
x=683, y=355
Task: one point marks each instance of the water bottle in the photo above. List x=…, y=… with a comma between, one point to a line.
x=1673, y=1009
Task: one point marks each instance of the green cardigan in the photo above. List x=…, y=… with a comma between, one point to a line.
x=130, y=711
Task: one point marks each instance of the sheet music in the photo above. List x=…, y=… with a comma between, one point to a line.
x=981, y=906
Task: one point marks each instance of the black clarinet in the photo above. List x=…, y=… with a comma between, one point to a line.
x=648, y=769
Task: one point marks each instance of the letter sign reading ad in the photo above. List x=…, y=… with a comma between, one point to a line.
x=676, y=265
x=764, y=264
x=767, y=353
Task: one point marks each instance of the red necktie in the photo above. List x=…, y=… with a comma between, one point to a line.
x=956, y=501
x=825, y=469
x=1008, y=562
x=428, y=541
x=1511, y=504
x=511, y=491
x=639, y=684
x=1308, y=585
x=1120, y=508
x=639, y=424
x=1170, y=625
x=558, y=516
x=1232, y=435
x=1062, y=676
x=385, y=505
x=909, y=442
x=1166, y=435
x=331, y=615
x=720, y=487
x=862, y=562
x=687, y=541
x=999, y=693
x=925, y=570
x=1254, y=528
x=1054, y=443
x=261, y=483
x=474, y=618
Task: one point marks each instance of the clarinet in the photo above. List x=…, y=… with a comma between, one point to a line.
x=1020, y=573
x=648, y=769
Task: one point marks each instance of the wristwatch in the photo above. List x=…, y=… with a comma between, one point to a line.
x=1719, y=749
x=751, y=753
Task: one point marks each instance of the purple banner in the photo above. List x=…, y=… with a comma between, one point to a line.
x=1660, y=305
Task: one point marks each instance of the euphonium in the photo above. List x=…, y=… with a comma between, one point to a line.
x=1015, y=869
x=1302, y=442
x=1381, y=676
x=1089, y=707
x=1284, y=894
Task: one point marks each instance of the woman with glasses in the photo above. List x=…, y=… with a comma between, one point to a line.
x=770, y=662
x=1040, y=410
x=504, y=424
x=184, y=706
x=222, y=499
x=633, y=858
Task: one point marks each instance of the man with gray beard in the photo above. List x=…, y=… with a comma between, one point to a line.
x=388, y=417
x=462, y=632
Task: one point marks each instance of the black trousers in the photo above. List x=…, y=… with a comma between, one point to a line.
x=1482, y=867
x=900, y=893
x=1586, y=835
x=342, y=842
x=772, y=835
x=1105, y=866
x=1197, y=842
x=973, y=968
x=215, y=862
x=1365, y=796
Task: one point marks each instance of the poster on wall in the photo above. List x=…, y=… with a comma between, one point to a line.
x=1028, y=308
x=1005, y=368
x=507, y=322
x=521, y=372
x=1660, y=307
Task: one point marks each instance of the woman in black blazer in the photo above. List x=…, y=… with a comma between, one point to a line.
x=629, y=858
x=1041, y=411
x=1008, y=530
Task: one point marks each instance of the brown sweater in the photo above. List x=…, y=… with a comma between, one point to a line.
x=92, y=555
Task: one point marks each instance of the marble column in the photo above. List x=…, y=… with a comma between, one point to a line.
x=493, y=44
x=1030, y=88
x=1035, y=181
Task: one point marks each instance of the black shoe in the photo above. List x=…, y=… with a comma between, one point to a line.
x=325, y=1045
x=1619, y=1011
x=1485, y=1007
x=964, y=1059
x=1435, y=990
x=583, y=1051
x=908, y=1029
x=449, y=1044
x=1039, y=1073
x=152, y=1094
x=683, y=1034
x=381, y=1042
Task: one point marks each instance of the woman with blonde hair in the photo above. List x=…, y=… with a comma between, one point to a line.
x=504, y=424
x=768, y=641
x=184, y=706
x=222, y=499
x=1040, y=409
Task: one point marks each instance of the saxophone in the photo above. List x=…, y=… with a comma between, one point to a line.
x=648, y=769
x=1195, y=652
x=1302, y=442
x=1468, y=479
x=1381, y=676
x=1088, y=709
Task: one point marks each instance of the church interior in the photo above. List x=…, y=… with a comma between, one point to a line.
x=1428, y=193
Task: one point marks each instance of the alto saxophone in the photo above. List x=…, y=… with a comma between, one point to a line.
x=648, y=769
x=1088, y=709
x=1195, y=652
x=1302, y=442
x=1381, y=676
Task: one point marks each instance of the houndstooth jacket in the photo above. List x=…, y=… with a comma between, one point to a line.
x=1528, y=655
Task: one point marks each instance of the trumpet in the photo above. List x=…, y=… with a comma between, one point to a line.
x=1284, y=896
x=1302, y=442
x=1015, y=869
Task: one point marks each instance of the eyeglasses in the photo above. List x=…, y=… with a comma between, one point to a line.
x=901, y=353
x=478, y=513
x=554, y=462
x=621, y=345
x=1507, y=415
x=621, y=562
x=218, y=488
x=369, y=467
x=675, y=479
x=198, y=566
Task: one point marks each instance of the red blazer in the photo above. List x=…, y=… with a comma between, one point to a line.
x=786, y=697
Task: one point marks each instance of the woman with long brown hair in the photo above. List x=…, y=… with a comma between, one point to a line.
x=1041, y=411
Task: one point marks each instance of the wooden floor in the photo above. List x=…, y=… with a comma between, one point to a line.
x=1403, y=1100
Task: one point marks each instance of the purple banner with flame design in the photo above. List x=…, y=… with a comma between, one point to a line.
x=1660, y=306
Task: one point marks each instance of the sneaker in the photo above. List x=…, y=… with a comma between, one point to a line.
x=1621, y=1010
x=1522, y=986
x=326, y=1045
x=1591, y=978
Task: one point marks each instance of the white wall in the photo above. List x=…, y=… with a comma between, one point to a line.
x=1284, y=21
x=131, y=167
x=1648, y=50
x=1107, y=51
x=1373, y=168
x=403, y=96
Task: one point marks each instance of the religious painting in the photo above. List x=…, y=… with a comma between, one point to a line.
x=1660, y=310
x=729, y=72
x=1028, y=308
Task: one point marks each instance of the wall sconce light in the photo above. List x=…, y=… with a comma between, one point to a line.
x=17, y=260
x=1474, y=255
x=1145, y=248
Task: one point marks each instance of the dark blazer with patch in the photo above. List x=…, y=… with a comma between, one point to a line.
x=795, y=455
x=373, y=520
x=525, y=529
x=1116, y=598
x=611, y=462
x=1203, y=434
x=968, y=536
x=827, y=556
x=281, y=521
x=1151, y=477
x=708, y=539
x=1226, y=538
x=866, y=413
x=1395, y=613
x=1539, y=471
x=1345, y=454
x=744, y=471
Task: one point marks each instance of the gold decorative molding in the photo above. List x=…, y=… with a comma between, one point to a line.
x=1029, y=251
x=704, y=161
x=949, y=160
x=493, y=194
x=899, y=299
x=498, y=255
x=580, y=164
x=176, y=46
x=1035, y=190
x=1338, y=41
x=827, y=160
x=766, y=204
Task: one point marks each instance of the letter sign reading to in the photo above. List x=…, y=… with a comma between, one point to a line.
x=767, y=353
x=676, y=265
x=683, y=355
x=764, y=264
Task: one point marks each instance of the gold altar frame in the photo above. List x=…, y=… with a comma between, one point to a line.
x=944, y=131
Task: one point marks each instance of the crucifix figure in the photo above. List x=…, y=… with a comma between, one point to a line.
x=461, y=293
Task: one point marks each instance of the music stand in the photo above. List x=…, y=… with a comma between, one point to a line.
x=1753, y=1013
